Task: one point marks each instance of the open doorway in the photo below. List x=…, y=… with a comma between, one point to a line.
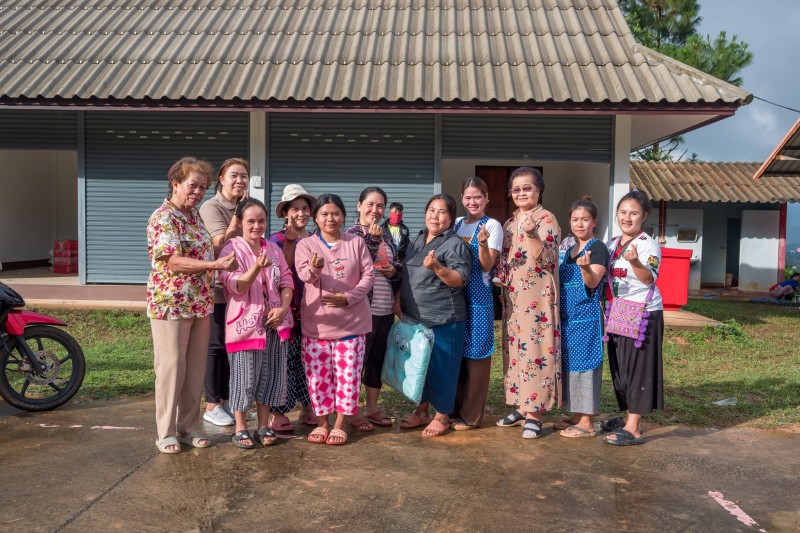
x=734, y=237
x=496, y=178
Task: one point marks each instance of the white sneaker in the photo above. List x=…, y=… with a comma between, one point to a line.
x=251, y=415
x=219, y=417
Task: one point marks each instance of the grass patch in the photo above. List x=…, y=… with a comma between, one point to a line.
x=752, y=357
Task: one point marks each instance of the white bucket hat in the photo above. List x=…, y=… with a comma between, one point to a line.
x=292, y=192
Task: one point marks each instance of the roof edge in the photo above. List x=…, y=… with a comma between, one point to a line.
x=771, y=159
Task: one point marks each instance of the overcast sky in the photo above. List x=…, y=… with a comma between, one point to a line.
x=772, y=29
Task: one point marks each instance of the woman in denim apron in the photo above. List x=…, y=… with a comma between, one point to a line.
x=581, y=270
x=484, y=236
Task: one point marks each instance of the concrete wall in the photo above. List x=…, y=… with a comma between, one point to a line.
x=40, y=202
x=564, y=183
x=678, y=219
x=758, y=266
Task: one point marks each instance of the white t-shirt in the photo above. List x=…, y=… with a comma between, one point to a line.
x=625, y=283
x=495, y=242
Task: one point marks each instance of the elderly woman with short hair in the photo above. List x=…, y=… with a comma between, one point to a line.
x=180, y=302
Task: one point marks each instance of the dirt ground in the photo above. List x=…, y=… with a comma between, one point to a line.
x=93, y=466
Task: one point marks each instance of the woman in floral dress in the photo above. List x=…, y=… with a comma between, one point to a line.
x=531, y=343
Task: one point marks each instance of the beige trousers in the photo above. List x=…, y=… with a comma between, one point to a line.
x=180, y=349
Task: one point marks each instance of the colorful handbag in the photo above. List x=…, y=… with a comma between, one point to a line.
x=625, y=317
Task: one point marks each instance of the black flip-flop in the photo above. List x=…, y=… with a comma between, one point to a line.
x=243, y=435
x=624, y=438
x=514, y=419
x=611, y=424
x=532, y=429
x=265, y=436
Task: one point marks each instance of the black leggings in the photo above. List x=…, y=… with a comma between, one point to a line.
x=218, y=371
x=375, y=350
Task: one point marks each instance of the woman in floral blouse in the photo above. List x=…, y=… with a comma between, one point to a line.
x=531, y=343
x=179, y=302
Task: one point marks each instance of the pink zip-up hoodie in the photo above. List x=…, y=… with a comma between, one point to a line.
x=246, y=311
x=348, y=268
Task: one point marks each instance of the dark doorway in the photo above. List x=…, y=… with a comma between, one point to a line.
x=732, y=255
x=496, y=179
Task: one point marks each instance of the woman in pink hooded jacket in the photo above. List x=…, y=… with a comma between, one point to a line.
x=257, y=323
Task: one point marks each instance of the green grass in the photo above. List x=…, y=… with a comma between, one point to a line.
x=753, y=357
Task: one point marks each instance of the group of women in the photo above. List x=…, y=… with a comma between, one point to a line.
x=304, y=316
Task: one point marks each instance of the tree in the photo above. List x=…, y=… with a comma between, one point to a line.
x=670, y=28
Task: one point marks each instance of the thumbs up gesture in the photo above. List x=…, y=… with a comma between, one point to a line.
x=585, y=260
x=631, y=255
x=483, y=236
x=316, y=261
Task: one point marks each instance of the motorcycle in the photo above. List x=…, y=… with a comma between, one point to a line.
x=41, y=366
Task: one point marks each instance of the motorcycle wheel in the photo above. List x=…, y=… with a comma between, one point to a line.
x=21, y=387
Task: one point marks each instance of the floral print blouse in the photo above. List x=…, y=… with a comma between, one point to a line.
x=171, y=294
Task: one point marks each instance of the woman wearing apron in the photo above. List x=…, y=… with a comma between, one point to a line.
x=581, y=273
x=484, y=236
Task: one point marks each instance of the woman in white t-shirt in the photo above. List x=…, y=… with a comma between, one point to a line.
x=484, y=236
x=637, y=371
x=371, y=207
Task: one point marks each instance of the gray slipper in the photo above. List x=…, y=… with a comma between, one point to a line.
x=581, y=432
x=163, y=444
x=195, y=440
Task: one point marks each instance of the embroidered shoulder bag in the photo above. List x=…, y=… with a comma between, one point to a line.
x=625, y=317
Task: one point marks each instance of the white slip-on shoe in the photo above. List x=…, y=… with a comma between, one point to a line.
x=251, y=415
x=219, y=417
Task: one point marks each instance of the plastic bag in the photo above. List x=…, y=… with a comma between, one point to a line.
x=408, y=352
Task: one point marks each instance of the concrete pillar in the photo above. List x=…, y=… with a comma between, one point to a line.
x=619, y=180
x=259, y=156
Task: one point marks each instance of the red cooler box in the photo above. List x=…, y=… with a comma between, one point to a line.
x=673, y=277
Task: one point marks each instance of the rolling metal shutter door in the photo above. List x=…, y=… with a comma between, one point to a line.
x=34, y=129
x=586, y=138
x=128, y=155
x=344, y=153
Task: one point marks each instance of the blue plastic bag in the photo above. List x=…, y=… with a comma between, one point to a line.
x=408, y=353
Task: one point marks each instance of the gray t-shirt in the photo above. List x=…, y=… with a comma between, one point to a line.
x=423, y=296
x=217, y=213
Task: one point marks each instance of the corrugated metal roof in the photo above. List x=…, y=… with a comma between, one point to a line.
x=712, y=182
x=541, y=51
x=785, y=159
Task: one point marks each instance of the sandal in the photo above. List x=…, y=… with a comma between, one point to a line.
x=563, y=424
x=434, y=431
x=611, y=424
x=379, y=418
x=309, y=420
x=318, y=436
x=532, y=429
x=577, y=432
x=336, y=434
x=623, y=437
x=195, y=439
x=359, y=423
x=165, y=443
x=240, y=436
x=265, y=436
x=413, y=420
x=281, y=423
x=514, y=419
x=459, y=425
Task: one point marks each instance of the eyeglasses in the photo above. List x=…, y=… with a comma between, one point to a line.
x=524, y=188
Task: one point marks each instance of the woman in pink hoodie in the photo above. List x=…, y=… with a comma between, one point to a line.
x=338, y=273
x=257, y=323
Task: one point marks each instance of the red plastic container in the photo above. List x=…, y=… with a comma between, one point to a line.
x=673, y=277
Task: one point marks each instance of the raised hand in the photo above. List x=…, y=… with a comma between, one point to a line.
x=375, y=230
x=483, y=236
x=262, y=260
x=227, y=262
x=631, y=255
x=530, y=227
x=431, y=262
x=316, y=261
x=291, y=233
x=585, y=260
x=388, y=271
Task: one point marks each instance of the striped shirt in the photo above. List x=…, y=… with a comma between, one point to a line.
x=382, y=294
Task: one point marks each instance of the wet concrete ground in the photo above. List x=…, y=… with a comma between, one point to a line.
x=94, y=466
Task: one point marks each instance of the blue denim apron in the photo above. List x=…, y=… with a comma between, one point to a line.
x=479, y=334
x=581, y=319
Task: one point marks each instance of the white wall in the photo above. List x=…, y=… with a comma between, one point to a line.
x=40, y=192
x=564, y=183
x=758, y=260
x=684, y=219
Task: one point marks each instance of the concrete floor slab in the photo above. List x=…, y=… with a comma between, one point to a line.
x=93, y=466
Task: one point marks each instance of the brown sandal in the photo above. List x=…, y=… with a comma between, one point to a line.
x=435, y=431
x=413, y=420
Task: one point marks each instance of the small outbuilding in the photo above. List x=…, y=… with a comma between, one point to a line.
x=734, y=225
